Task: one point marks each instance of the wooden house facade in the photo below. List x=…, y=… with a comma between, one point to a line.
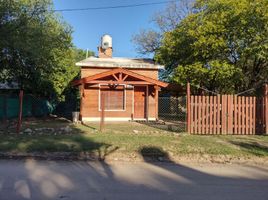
x=127, y=89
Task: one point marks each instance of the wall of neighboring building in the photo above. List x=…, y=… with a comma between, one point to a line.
x=86, y=71
x=152, y=102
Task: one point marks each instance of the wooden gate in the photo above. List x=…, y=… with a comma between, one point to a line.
x=227, y=114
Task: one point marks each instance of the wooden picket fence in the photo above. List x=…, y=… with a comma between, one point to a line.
x=227, y=114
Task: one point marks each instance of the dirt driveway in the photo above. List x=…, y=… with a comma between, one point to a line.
x=31, y=179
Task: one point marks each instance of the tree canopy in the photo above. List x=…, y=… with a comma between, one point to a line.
x=223, y=45
x=148, y=41
x=36, y=48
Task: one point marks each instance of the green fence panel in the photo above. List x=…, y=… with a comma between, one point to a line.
x=31, y=107
x=12, y=107
x=1, y=107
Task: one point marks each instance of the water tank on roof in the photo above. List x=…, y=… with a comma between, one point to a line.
x=106, y=41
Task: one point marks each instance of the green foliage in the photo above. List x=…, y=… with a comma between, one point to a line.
x=222, y=45
x=36, y=48
x=81, y=54
x=215, y=74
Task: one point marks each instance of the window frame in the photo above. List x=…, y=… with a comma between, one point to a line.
x=112, y=110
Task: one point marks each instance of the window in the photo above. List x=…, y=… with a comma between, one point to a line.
x=114, y=97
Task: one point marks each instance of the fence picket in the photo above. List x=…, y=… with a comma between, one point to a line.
x=203, y=114
x=243, y=115
x=196, y=114
x=210, y=114
x=235, y=114
x=254, y=116
x=266, y=114
x=223, y=124
x=228, y=114
x=207, y=115
x=192, y=114
x=246, y=117
x=250, y=115
x=214, y=115
x=219, y=111
x=199, y=114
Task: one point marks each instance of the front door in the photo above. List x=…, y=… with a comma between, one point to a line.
x=139, y=101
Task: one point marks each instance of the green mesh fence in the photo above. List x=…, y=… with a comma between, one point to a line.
x=32, y=107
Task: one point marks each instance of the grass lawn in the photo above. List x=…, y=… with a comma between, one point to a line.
x=128, y=139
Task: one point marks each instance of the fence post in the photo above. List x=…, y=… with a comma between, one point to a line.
x=20, y=111
x=188, y=108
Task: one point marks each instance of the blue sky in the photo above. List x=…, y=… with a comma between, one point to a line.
x=121, y=24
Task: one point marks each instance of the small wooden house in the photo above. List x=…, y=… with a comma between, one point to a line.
x=127, y=88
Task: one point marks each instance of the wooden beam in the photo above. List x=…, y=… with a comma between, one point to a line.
x=116, y=78
x=120, y=76
x=123, y=71
x=82, y=101
x=156, y=103
x=157, y=88
x=125, y=77
x=147, y=102
x=102, y=111
x=121, y=82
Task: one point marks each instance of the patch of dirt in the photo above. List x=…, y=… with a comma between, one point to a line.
x=136, y=157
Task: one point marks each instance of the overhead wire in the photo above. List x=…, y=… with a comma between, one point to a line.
x=114, y=7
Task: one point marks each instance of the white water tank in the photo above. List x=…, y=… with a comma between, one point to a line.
x=106, y=41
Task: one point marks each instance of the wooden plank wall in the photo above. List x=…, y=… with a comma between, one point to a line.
x=227, y=114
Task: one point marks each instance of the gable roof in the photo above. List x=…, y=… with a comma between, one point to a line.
x=119, y=62
x=116, y=71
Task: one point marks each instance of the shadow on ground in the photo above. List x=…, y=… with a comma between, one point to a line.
x=172, y=126
x=252, y=147
x=32, y=179
x=73, y=144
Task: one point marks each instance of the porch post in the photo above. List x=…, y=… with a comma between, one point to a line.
x=82, y=101
x=156, y=102
x=147, y=103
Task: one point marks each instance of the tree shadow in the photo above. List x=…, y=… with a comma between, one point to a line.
x=75, y=145
x=252, y=147
x=33, y=179
x=152, y=153
x=171, y=126
x=209, y=183
x=88, y=126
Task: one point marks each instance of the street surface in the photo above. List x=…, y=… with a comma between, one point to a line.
x=30, y=179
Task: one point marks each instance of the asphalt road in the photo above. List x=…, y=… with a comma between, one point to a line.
x=31, y=179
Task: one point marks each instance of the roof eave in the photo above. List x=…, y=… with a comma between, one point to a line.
x=121, y=65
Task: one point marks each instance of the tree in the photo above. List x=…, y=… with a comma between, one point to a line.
x=71, y=102
x=36, y=47
x=222, y=45
x=148, y=41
